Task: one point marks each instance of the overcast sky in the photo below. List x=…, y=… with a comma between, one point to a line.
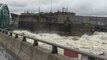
x=80, y=7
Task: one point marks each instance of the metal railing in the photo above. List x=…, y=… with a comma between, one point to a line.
x=54, y=46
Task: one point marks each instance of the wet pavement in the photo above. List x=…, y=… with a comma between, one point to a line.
x=4, y=55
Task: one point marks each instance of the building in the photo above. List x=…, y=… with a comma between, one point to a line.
x=61, y=22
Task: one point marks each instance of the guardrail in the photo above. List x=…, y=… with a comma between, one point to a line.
x=54, y=46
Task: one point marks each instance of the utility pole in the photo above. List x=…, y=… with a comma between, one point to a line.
x=39, y=9
x=51, y=6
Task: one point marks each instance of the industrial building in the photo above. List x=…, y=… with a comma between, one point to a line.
x=61, y=22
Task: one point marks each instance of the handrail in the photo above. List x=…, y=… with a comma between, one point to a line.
x=54, y=46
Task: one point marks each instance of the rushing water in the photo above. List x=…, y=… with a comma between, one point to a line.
x=96, y=43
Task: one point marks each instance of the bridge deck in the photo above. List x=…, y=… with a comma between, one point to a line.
x=4, y=55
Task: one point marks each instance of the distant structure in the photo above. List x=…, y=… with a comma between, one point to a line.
x=64, y=9
x=61, y=22
x=14, y=21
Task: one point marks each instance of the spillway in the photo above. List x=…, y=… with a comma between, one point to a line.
x=96, y=43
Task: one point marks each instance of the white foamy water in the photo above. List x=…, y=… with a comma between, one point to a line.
x=96, y=43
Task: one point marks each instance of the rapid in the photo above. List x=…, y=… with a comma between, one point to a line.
x=95, y=44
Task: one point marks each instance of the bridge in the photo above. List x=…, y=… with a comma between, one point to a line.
x=24, y=50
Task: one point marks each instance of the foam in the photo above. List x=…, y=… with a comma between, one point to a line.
x=96, y=43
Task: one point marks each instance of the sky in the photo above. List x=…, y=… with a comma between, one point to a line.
x=80, y=7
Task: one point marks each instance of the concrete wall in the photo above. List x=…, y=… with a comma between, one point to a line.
x=26, y=51
x=86, y=19
x=61, y=17
x=90, y=20
x=101, y=21
x=45, y=23
x=93, y=20
x=78, y=20
x=80, y=29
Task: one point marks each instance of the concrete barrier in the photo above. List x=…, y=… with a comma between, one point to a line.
x=26, y=51
x=40, y=53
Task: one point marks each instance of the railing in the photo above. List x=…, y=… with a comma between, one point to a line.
x=54, y=46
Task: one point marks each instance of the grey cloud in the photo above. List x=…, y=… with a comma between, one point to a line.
x=15, y=5
x=80, y=7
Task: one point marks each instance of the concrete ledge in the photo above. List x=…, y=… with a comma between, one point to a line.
x=23, y=56
x=26, y=51
x=26, y=48
x=40, y=53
